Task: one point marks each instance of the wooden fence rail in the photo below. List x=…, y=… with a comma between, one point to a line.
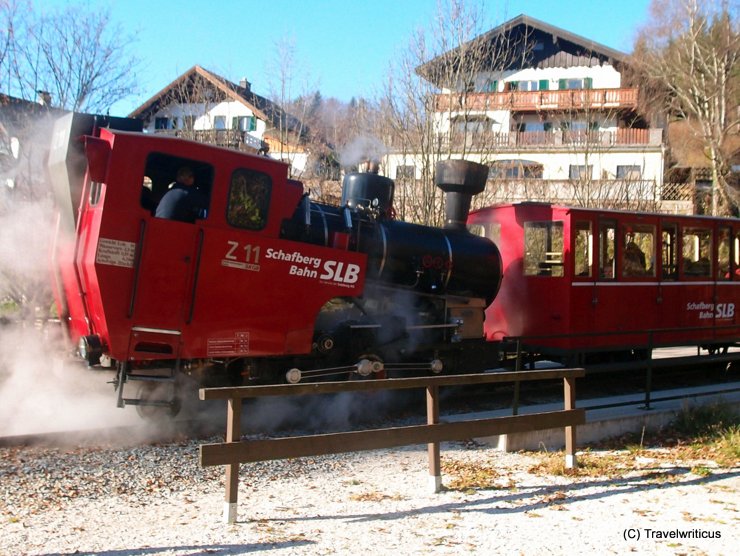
x=234, y=450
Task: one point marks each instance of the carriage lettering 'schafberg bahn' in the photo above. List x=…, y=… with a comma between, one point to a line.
x=267, y=285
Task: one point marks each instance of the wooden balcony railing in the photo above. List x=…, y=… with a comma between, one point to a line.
x=572, y=99
x=230, y=138
x=567, y=139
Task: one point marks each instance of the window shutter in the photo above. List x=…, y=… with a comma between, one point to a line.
x=494, y=86
x=234, y=123
x=562, y=84
x=252, y=123
x=514, y=85
x=588, y=83
x=544, y=84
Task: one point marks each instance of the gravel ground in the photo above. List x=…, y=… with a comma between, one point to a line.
x=156, y=499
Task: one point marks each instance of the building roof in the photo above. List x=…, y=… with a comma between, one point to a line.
x=184, y=85
x=527, y=42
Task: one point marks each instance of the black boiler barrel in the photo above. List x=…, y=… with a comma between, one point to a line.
x=433, y=260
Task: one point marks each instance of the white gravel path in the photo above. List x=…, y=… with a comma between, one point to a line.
x=157, y=500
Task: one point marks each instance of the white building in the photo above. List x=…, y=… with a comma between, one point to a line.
x=203, y=106
x=551, y=114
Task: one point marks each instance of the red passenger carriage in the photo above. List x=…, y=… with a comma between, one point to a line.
x=579, y=281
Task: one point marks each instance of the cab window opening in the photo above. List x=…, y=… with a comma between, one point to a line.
x=191, y=203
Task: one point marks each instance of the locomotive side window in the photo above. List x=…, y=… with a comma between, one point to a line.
x=584, y=249
x=697, y=252
x=249, y=198
x=723, y=254
x=543, y=249
x=669, y=251
x=638, y=254
x=607, y=249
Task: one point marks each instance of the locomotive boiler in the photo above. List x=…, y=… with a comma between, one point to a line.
x=266, y=284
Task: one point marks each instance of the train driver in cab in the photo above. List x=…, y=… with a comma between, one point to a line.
x=184, y=201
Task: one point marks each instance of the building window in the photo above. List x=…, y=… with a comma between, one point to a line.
x=515, y=169
x=580, y=172
x=405, y=172
x=629, y=172
x=219, y=122
x=249, y=197
x=244, y=123
x=162, y=123
x=579, y=83
x=490, y=86
x=543, y=249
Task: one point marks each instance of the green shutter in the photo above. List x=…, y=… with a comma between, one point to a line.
x=544, y=84
x=588, y=83
x=562, y=84
x=234, y=123
x=513, y=85
x=494, y=86
x=252, y=123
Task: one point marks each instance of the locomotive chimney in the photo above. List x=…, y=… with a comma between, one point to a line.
x=460, y=180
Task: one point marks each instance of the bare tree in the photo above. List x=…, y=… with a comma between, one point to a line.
x=689, y=54
x=75, y=54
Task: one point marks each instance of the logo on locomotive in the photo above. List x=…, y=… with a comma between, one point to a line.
x=247, y=257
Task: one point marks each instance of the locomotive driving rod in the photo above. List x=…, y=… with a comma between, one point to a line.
x=364, y=367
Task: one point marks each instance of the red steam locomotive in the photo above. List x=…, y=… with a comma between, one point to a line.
x=264, y=284
x=267, y=285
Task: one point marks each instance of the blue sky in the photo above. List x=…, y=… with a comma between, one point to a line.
x=343, y=46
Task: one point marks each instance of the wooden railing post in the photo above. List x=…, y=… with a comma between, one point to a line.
x=233, y=434
x=435, y=471
x=569, y=395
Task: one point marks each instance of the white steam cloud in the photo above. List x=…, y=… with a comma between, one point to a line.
x=360, y=149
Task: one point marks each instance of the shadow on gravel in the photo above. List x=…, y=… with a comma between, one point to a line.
x=195, y=549
x=539, y=497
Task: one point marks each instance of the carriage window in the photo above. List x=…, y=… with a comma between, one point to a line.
x=543, y=249
x=583, y=254
x=249, y=197
x=607, y=238
x=736, y=257
x=723, y=254
x=490, y=230
x=669, y=251
x=638, y=255
x=697, y=252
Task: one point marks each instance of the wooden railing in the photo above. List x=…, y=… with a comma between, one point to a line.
x=559, y=138
x=234, y=450
x=572, y=99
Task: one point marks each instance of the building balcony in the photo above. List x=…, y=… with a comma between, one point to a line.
x=556, y=139
x=535, y=101
x=229, y=138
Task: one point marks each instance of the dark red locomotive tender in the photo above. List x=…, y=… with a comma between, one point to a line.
x=270, y=286
x=296, y=290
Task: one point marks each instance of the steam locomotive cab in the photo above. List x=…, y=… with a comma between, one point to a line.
x=262, y=283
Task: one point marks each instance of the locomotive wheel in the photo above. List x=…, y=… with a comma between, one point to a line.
x=158, y=392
